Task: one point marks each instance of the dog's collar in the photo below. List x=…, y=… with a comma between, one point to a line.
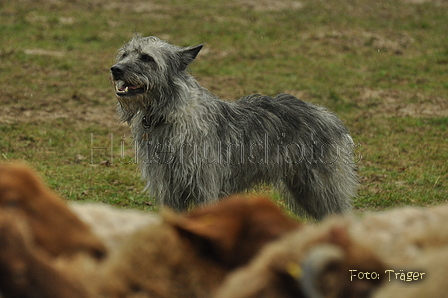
x=152, y=122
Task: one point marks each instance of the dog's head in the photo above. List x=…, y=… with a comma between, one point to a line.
x=148, y=63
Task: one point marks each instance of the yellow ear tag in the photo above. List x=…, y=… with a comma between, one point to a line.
x=294, y=270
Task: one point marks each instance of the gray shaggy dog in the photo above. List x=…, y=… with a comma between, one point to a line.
x=194, y=148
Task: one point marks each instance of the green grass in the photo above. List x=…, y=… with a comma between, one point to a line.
x=403, y=166
x=381, y=66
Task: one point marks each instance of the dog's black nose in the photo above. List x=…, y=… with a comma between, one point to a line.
x=117, y=71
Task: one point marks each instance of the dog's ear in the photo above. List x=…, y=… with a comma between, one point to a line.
x=187, y=55
x=233, y=231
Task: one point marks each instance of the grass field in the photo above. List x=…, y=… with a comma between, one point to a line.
x=382, y=66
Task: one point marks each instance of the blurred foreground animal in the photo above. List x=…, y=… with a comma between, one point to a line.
x=313, y=263
x=326, y=260
x=240, y=248
x=53, y=226
x=111, y=224
x=184, y=255
x=65, y=229
x=194, y=148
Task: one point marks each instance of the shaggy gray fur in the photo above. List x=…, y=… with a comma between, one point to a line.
x=194, y=148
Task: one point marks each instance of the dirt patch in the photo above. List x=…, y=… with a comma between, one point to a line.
x=42, y=52
x=84, y=116
x=372, y=102
x=355, y=40
x=397, y=103
x=437, y=2
x=135, y=6
x=269, y=5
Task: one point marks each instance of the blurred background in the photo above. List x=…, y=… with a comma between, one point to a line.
x=382, y=66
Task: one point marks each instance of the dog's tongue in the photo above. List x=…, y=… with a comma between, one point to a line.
x=123, y=87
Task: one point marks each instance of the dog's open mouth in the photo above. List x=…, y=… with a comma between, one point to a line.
x=124, y=89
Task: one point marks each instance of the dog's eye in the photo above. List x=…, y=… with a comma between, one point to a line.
x=123, y=55
x=146, y=58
